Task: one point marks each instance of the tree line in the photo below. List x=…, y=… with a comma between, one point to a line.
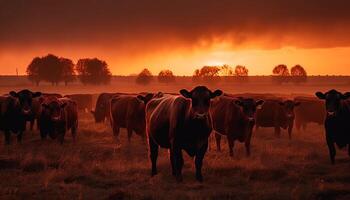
x=54, y=69
x=212, y=74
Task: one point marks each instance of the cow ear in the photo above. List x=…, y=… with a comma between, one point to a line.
x=297, y=103
x=64, y=105
x=13, y=94
x=320, y=95
x=259, y=102
x=346, y=95
x=36, y=94
x=281, y=103
x=216, y=93
x=238, y=102
x=185, y=93
x=140, y=97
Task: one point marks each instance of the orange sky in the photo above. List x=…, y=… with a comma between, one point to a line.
x=320, y=61
x=181, y=36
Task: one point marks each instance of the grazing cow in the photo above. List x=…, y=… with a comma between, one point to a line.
x=234, y=118
x=18, y=108
x=278, y=114
x=180, y=123
x=84, y=101
x=102, y=108
x=128, y=111
x=59, y=116
x=311, y=110
x=337, y=122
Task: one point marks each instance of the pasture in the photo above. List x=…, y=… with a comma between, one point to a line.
x=95, y=167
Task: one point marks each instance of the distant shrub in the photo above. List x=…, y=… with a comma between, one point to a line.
x=166, y=76
x=145, y=77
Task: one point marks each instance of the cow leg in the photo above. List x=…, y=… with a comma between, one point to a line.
x=153, y=149
x=7, y=137
x=116, y=130
x=178, y=161
x=247, y=142
x=218, y=140
x=331, y=149
x=129, y=134
x=199, y=162
x=74, y=133
x=31, y=125
x=231, y=144
x=290, y=129
x=19, y=137
x=61, y=137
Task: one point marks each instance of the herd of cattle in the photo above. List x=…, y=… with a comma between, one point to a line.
x=181, y=121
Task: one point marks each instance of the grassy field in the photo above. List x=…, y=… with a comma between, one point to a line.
x=95, y=167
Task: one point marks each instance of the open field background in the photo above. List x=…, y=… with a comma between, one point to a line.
x=96, y=168
x=254, y=84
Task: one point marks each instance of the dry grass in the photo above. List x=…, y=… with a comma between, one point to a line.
x=96, y=168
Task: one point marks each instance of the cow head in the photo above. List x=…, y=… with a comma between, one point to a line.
x=146, y=98
x=288, y=108
x=54, y=110
x=333, y=99
x=25, y=98
x=200, y=97
x=249, y=107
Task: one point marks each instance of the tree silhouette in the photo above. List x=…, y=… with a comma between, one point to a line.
x=241, y=71
x=298, y=73
x=166, y=76
x=145, y=77
x=281, y=70
x=207, y=74
x=93, y=71
x=50, y=68
x=34, y=71
x=226, y=70
x=281, y=73
x=68, y=74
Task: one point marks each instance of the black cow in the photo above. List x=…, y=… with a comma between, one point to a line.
x=18, y=108
x=337, y=122
x=180, y=123
x=59, y=116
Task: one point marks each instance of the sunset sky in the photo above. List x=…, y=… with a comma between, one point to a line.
x=179, y=35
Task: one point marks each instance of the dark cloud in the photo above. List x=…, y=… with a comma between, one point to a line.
x=258, y=23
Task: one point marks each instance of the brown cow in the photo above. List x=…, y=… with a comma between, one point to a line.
x=234, y=118
x=180, y=123
x=59, y=116
x=84, y=101
x=311, y=110
x=128, y=111
x=102, y=108
x=278, y=114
